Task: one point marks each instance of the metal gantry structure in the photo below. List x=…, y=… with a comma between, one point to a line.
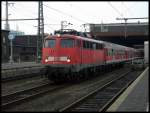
x=8, y=28
x=7, y=25
x=40, y=38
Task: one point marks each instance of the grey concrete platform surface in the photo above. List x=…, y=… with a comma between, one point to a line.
x=135, y=97
x=21, y=69
x=19, y=65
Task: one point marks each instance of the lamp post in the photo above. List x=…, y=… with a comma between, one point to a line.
x=11, y=37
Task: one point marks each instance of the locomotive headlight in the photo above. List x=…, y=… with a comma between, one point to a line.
x=58, y=35
x=68, y=60
x=46, y=60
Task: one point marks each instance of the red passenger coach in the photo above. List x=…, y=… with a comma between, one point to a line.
x=70, y=57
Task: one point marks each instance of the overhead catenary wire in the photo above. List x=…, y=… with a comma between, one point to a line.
x=36, y=13
x=28, y=11
x=115, y=9
x=64, y=13
x=77, y=7
x=45, y=16
x=128, y=9
x=14, y=10
x=51, y=17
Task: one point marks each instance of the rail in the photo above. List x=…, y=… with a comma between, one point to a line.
x=101, y=98
x=28, y=94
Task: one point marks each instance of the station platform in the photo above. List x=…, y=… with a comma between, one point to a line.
x=135, y=98
x=19, y=65
x=22, y=69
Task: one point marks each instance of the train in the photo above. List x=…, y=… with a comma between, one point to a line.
x=71, y=56
x=146, y=52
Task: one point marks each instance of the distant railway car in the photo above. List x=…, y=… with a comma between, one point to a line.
x=146, y=52
x=71, y=57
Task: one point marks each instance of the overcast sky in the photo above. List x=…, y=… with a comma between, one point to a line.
x=77, y=13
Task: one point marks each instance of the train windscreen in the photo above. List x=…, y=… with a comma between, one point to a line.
x=50, y=43
x=67, y=43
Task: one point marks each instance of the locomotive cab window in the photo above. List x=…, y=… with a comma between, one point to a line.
x=66, y=43
x=50, y=43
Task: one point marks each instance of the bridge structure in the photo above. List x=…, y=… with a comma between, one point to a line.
x=136, y=33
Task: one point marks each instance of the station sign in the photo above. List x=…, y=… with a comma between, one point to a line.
x=11, y=36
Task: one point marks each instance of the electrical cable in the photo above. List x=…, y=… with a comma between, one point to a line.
x=115, y=9
x=64, y=13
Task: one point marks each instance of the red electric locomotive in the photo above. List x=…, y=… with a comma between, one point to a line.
x=72, y=57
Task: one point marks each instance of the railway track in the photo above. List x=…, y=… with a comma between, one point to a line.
x=108, y=78
x=28, y=94
x=15, y=78
x=23, y=84
x=101, y=98
x=10, y=100
x=21, y=73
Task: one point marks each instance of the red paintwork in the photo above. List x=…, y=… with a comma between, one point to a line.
x=78, y=55
x=58, y=51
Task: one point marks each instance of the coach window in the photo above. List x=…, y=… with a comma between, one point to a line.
x=50, y=43
x=109, y=52
x=112, y=52
x=94, y=46
x=90, y=45
x=67, y=43
x=85, y=44
x=101, y=46
x=97, y=46
x=78, y=43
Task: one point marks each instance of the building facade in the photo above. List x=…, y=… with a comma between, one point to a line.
x=24, y=48
x=5, y=46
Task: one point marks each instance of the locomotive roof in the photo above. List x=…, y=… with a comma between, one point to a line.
x=74, y=36
x=107, y=44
